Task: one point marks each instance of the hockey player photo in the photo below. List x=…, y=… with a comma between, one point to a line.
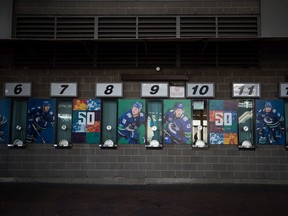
x=270, y=125
x=4, y=120
x=177, y=122
x=41, y=119
x=131, y=122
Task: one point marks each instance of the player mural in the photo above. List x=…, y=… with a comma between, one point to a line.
x=131, y=121
x=223, y=121
x=270, y=125
x=177, y=122
x=4, y=120
x=41, y=119
x=86, y=121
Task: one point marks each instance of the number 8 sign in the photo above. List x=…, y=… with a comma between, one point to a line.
x=109, y=90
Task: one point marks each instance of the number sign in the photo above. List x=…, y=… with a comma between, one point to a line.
x=283, y=90
x=109, y=90
x=200, y=90
x=246, y=90
x=18, y=89
x=154, y=90
x=63, y=90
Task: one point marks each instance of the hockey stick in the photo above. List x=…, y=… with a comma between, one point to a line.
x=38, y=133
x=176, y=141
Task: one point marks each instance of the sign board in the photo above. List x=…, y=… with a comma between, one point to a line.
x=154, y=90
x=109, y=90
x=246, y=90
x=200, y=90
x=63, y=90
x=18, y=89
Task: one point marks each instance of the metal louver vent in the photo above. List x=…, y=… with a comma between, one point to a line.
x=155, y=27
x=35, y=27
x=116, y=27
x=198, y=26
x=237, y=27
x=75, y=27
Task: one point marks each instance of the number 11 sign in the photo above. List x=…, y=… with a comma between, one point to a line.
x=247, y=90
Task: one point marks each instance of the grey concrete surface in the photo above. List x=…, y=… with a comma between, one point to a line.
x=178, y=199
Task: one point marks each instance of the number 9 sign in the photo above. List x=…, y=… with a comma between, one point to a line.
x=17, y=89
x=154, y=89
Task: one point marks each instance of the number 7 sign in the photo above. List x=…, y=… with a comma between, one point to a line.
x=283, y=90
x=63, y=90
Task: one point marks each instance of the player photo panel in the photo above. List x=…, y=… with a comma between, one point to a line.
x=86, y=121
x=131, y=121
x=223, y=121
x=177, y=122
x=270, y=123
x=4, y=120
x=40, y=121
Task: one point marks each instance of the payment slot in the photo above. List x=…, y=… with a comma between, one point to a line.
x=4, y=120
x=19, y=126
x=109, y=124
x=64, y=124
x=283, y=93
x=245, y=124
x=154, y=123
x=109, y=92
x=199, y=124
x=199, y=92
x=19, y=92
x=63, y=91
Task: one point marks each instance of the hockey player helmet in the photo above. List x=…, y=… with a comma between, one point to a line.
x=178, y=106
x=138, y=105
x=268, y=104
x=45, y=103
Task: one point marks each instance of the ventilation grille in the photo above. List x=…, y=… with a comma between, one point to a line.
x=75, y=27
x=117, y=27
x=155, y=27
x=35, y=27
x=237, y=26
x=198, y=27
x=135, y=27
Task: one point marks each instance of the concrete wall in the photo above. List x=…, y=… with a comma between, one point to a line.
x=152, y=7
x=133, y=163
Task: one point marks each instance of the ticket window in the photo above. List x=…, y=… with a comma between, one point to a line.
x=199, y=130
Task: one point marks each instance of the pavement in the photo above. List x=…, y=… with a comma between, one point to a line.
x=45, y=199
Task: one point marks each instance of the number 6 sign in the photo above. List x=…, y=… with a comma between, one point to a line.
x=17, y=89
x=109, y=90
